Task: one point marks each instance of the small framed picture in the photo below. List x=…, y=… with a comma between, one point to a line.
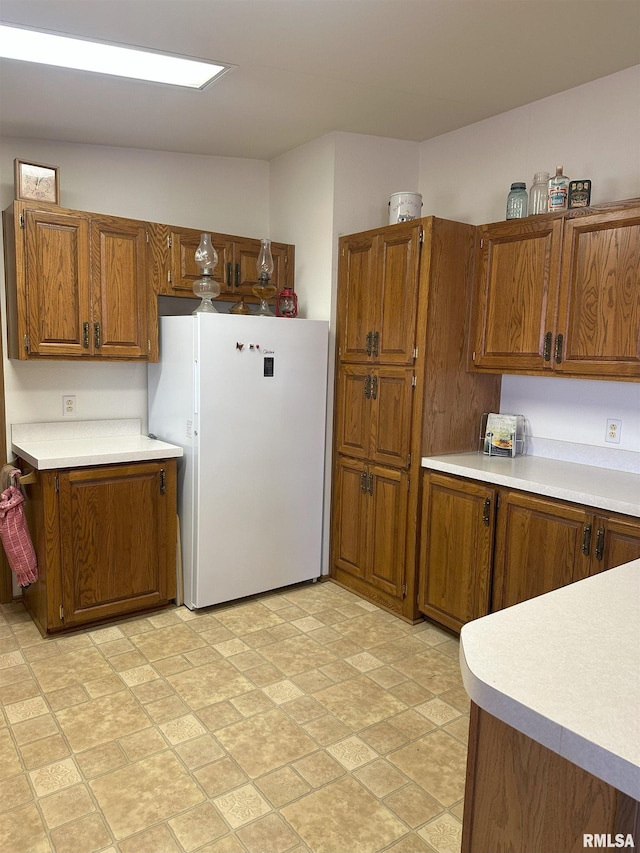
x=37, y=182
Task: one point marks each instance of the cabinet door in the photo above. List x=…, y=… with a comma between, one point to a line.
x=56, y=297
x=516, y=287
x=373, y=413
x=349, y=517
x=540, y=546
x=615, y=540
x=394, y=325
x=456, y=551
x=183, y=268
x=599, y=308
x=119, y=284
x=353, y=410
x=243, y=274
x=388, y=493
x=391, y=391
x=117, y=533
x=356, y=297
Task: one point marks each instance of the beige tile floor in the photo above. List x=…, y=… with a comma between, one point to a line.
x=305, y=720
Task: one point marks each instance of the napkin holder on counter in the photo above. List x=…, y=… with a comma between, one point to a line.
x=502, y=434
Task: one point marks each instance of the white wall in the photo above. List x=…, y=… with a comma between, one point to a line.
x=594, y=132
x=225, y=194
x=302, y=202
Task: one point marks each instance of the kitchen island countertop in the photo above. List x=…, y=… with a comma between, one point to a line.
x=604, y=488
x=564, y=669
x=78, y=444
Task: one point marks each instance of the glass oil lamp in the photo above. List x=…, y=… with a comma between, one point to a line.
x=264, y=289
x=206, y=287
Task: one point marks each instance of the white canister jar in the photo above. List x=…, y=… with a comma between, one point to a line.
x=404, y=206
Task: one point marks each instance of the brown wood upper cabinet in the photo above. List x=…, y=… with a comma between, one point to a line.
x=236, y=268
x=378, y=295
x=561, y=294
x=76, y=284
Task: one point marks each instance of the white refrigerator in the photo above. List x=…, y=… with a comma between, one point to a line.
x=245, y=397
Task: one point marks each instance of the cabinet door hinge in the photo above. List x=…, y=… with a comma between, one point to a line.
x=26, y=342
x=57, y=483
x=163, y=482
x=22, y=220
x=473, y=358
x=169, y=279
x=169, y=241
x=415, y=353
x=408, y=460
x=421, y=240
x=148, y=345
x=413, y=381
x=481, y=243
x=61, y=613
x=404, y=590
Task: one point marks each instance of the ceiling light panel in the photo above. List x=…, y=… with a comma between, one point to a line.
x=118, y=60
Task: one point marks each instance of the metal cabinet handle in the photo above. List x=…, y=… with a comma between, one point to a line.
x=374, y=388
x=486, y=510
x=229, y=282
x=85, y=335
x=97, y=340
x=376, y=341
x=367, y=342
x=237, y=275
x=367, y=386
x=586, y=539
x=600, y=543
x=370, y=487
x=163, y=482
x=559, y=340
x=546, y=353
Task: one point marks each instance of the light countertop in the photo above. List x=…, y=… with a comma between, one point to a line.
x=78, y=444
x=564, y=669
x=604, y=488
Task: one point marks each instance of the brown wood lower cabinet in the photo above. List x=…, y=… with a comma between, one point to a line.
x=523, y=798
x=484, y=548
x=369, y=529
x=457, y=546
x=106, y=542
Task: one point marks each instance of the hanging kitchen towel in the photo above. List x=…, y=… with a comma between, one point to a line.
x=14, y=534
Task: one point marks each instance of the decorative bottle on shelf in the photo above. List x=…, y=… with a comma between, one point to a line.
x=558, y=191
x=517, y=201
x=538, y=193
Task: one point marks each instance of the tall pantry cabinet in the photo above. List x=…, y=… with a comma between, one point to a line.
x=402, y=391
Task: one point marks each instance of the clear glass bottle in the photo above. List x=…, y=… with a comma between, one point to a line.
x=558, y=197
x=538, y=193
x=517, y=201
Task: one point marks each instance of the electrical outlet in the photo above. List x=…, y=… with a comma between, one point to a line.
x=614, y=428
x=68, y=404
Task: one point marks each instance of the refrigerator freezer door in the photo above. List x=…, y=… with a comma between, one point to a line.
x=260, y=476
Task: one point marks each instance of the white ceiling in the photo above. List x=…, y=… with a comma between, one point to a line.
x=407, y=69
